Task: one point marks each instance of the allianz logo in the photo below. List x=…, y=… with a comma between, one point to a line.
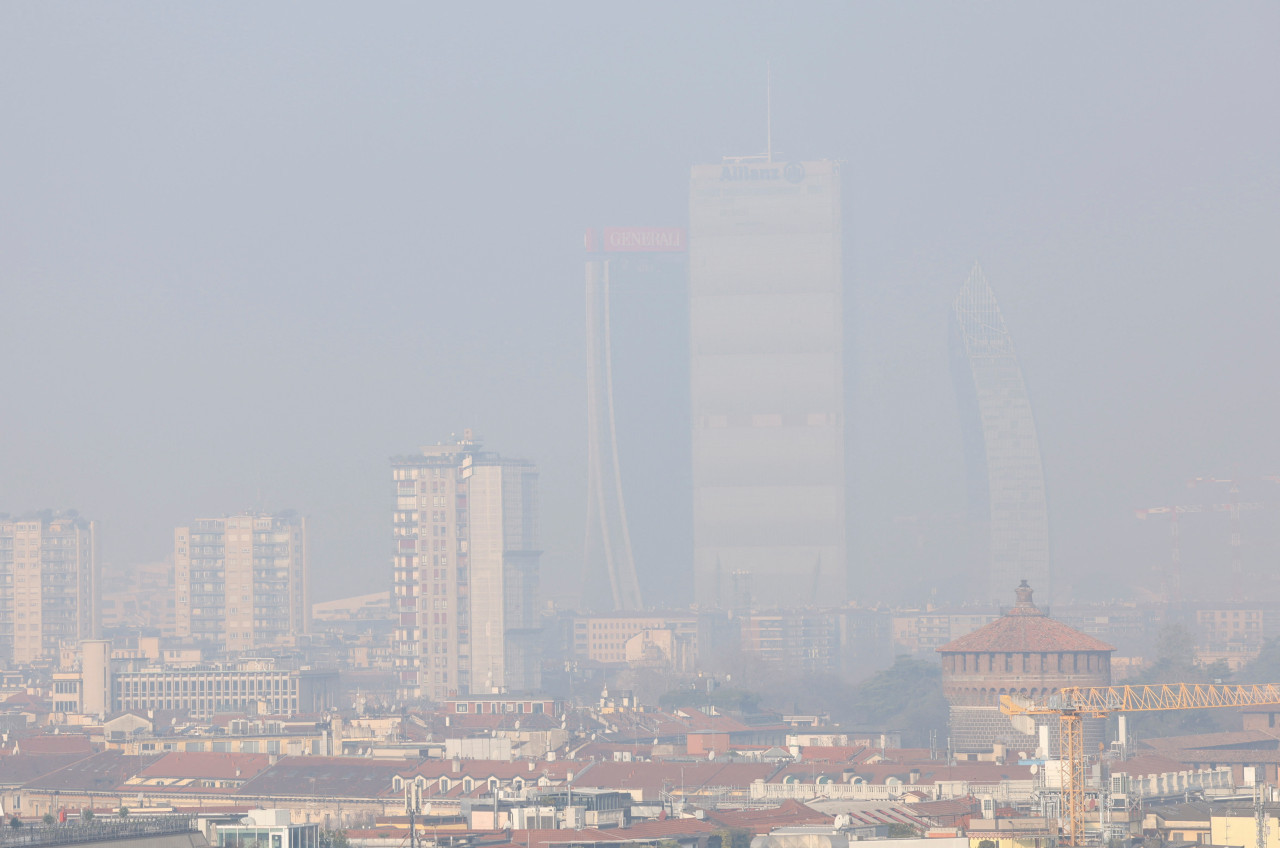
x=792, y=172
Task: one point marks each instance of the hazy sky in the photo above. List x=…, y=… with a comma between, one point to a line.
x=250, y=251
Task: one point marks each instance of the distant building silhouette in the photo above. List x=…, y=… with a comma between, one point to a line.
x=1007, y=491
x=465, y=572
x=638, y=493
x=766, y=338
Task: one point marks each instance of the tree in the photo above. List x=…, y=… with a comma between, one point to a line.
x=15, y=822
x=123, y=812
x=47, y=818
x=1176, y=663
x=86, y=815
x=724, y=698
x=334, y=839
x=734, y=837
x=907, y=697
x=902, y=830
x=1265, y=667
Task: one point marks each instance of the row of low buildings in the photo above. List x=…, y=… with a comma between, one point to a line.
x=836, y=787
x=460, y=615
x=461, y=611
x=199, y=737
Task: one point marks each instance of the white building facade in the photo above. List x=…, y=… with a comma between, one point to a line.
x=465, y=573
x=766, y=346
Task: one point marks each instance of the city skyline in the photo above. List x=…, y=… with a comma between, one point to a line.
x=675, y=426
x=237, y=261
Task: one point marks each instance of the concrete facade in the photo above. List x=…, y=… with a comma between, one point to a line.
x=48, y=586
x=767, y=384
x=241, y=581
x=464, y=573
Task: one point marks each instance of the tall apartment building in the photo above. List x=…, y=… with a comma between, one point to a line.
x=465, y=572
x=48, y=591
x=241, y=581
x=766, y=341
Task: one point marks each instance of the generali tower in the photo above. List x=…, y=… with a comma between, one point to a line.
x=766, y=336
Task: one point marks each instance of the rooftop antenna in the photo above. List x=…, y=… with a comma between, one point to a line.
x=768, y=109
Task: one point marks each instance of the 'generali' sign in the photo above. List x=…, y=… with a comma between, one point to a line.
x=643, y=239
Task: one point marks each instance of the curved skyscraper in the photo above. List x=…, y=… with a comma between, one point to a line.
x=637, y=417
x=1017, y=509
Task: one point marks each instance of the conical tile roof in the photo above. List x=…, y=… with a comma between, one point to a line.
x=1024, y=629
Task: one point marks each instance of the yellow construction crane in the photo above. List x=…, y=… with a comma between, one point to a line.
x=1073, y=703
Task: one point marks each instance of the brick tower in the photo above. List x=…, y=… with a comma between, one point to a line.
x=1026, y=653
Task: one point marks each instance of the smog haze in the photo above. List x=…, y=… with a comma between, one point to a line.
x=249, y=252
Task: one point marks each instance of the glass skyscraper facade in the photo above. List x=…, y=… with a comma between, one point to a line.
x=638, y=544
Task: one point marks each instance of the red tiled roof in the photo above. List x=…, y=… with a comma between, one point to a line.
x=340, y=777
x=205, y=764
x=17, y=769
x=653, y=775
x=1024, y=628
x=105, y=771
x=698, y=721
x=482, y=770
x=60, y=743
x=789, y=814
x=873, y=813
x=830, y=754
x=946, y=807
x=1221, y=757
x=645, y=831
x=29, y=703
x=1240, y=739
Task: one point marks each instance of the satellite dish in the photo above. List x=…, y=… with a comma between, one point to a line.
x=1035, y=769
x=1022, y=755
x=1024, y=724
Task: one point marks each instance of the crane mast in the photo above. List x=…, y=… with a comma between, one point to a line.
x=1072, y=704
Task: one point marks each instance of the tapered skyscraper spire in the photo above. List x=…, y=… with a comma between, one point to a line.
x=1018, y=512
